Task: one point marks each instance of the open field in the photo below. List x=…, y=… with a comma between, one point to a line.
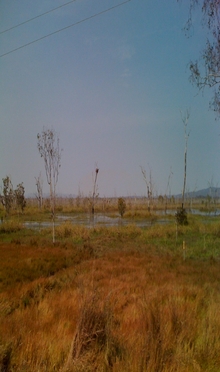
x=110, y=299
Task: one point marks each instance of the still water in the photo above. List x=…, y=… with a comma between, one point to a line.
x=88, y=220
x=97, y=220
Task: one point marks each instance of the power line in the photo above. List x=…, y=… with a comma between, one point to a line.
x=38, y=16
x=65, y=28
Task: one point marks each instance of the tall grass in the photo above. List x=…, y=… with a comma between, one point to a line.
x=118, y=299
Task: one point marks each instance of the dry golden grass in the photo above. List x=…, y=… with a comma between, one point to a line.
x=109, y=300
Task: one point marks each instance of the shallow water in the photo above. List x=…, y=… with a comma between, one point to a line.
x=98, y=219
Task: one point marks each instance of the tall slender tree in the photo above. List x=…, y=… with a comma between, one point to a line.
x=185, y=119
x=48, y=144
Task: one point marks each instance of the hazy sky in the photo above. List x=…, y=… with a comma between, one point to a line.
x=112, y=87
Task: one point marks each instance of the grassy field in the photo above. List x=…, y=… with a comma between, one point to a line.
x=119, y=299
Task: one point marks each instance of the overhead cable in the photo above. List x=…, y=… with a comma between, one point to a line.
x=38, y=16
x=65, y=28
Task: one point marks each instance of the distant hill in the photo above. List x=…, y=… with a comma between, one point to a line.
x=203, y=193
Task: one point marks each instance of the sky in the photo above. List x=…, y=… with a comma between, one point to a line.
x=113, y=88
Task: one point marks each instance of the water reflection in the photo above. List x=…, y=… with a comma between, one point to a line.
x=89, y=220
x=99, y=219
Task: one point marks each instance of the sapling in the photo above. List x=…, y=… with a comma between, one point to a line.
x=39, y=194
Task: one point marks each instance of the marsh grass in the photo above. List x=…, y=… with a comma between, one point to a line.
x=111, y=299
x=141, y=214
x=76, y=232
x=10, y=226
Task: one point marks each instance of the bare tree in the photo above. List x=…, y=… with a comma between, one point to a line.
x=49, y=148
x=149, y=186
x=39, y=194
x=168, y=189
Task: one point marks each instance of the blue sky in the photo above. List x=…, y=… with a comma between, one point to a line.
x=112, y=87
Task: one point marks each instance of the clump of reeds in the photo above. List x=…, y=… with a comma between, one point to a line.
x=93, y=347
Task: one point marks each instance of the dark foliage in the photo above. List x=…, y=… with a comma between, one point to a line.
x=181, y=216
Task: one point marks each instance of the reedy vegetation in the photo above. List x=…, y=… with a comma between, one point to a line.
x=110, y=299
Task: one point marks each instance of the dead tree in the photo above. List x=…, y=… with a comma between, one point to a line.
x=95, y=191
x=181, y=215
x=185, y=119
x=149, y=186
